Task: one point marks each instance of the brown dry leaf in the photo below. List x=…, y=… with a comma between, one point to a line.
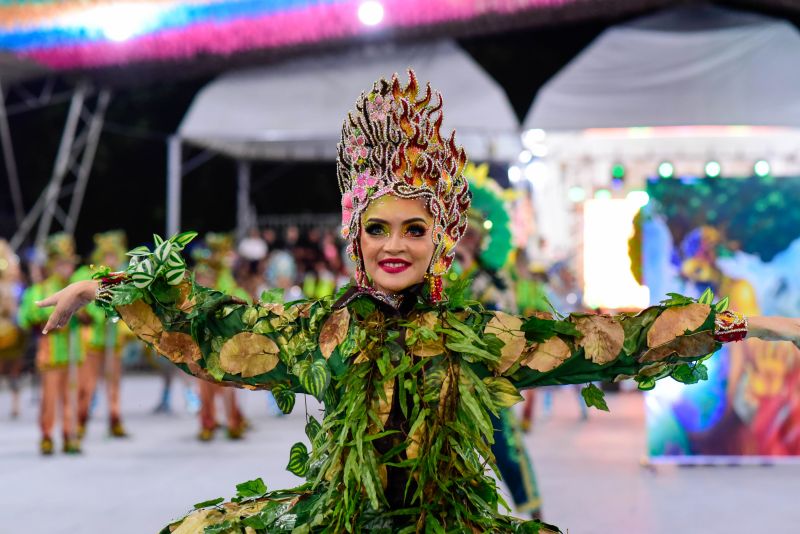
x=273, y=307
x=508, y=329
x=142, y=321
x=361, y=358
x=673, y=322
x=547, y=316
x=383, y=474
x=548, y=355
x=602, y=337
x=178, y=347
x=248, y=354
x=304, y=310
x=652, y=369
x=384, y=407
x=412, y=451
x=691, y=346
x=198, y=521
x=334, y=331
x=447, y=383
x=184, y=302
x=427, y=348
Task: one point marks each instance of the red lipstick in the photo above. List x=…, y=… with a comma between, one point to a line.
x=394, y=265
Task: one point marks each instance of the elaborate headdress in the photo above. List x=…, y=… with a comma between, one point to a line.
x=111, y=242
x=391, y=144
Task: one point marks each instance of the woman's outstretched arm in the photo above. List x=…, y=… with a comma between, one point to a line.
x=672, y=339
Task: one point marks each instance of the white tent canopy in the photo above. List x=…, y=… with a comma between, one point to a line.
x=294, y=110
x=688, y=66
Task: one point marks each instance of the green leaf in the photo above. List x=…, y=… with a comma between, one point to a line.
x=676, y=299
x=313, y=429
x=502, y=391
x=175, y=259
x=722, y=305
x=540, y=330
x=183, y=239
x=298, y=460
x=274, y=296
x=210, y=502
x=162, y=252
x=646, y=383
x=314, y=377
x=141, y=280
x=284, y=397
x=219, y=528
x=594, y=397
x=139, y=251
x=175, y=275
x=707, y=297
x=251, y=488
x=157, y=240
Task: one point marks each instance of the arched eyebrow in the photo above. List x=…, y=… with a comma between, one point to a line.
x=407, y=221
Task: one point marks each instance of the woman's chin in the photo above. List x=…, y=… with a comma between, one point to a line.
x=394, y=286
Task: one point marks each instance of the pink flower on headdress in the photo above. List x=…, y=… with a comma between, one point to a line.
x=379, y=108
x=365, y=180
x=347, y=210
x=356, y=147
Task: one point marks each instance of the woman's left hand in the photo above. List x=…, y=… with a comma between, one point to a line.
x=774, y=329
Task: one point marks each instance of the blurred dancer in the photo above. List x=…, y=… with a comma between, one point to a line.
x=213, y=269
x=103, y=340
x=56, y=350
x=483, y=251
x=12, y=338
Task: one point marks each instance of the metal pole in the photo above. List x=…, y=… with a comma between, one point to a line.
x=242, y=198
x=92, y=140
x=62, y=160
x=11, y=163
x=174, y=178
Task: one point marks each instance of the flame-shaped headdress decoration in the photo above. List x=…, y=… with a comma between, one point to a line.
x=391, y=144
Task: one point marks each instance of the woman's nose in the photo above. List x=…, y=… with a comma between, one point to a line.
x=395, y=243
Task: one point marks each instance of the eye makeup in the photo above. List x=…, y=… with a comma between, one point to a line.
x=412, y=228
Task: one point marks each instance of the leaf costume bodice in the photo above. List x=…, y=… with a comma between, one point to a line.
x=407, y=386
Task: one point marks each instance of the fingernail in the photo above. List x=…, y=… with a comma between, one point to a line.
x=44, y=332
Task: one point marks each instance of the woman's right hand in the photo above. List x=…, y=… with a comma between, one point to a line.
x=67, y=302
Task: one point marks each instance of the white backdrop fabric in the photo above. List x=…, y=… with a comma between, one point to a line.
x=294, y=110
x=688, y=66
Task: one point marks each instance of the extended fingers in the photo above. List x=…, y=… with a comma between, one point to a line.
x=52, y=300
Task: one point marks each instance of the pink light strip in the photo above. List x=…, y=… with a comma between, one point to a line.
x=306, y=25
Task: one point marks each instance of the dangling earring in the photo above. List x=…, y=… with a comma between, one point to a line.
x=435, y=287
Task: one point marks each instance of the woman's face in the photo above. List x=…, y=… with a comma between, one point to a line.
x=396, y=242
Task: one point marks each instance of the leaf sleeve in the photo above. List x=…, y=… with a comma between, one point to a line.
x=218, y=337
x=660, y=341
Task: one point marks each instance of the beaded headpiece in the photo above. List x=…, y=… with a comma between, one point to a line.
x=391, y=144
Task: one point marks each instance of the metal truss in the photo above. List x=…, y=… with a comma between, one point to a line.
x=73, y=162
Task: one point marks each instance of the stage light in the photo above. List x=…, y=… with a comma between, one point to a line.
x=639, y=198
x=762, y=168
x=576, y=194
x=533, y=137
x=535, y=171
x=487, y=224
x=666, y=169
x=370, y=13
x=525, y=156
x=713, y=169
x=618, y=171
x=514, y=174
x=602, y=194
x=118, y=22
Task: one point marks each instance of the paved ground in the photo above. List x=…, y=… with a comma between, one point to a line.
x=590, y=473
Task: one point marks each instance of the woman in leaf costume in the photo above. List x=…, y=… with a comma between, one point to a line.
x=408, y=375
